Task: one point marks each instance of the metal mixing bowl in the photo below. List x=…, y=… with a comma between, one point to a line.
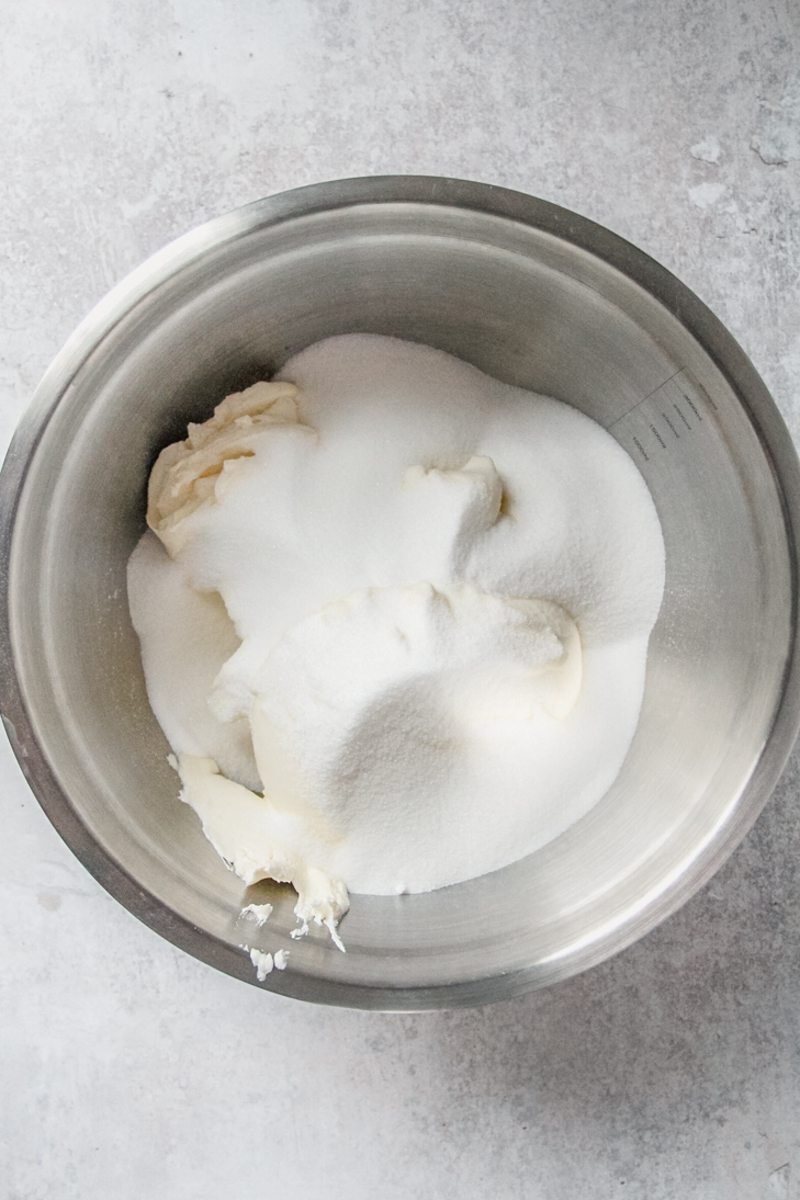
x=536, y=296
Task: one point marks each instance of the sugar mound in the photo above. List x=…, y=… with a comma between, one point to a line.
x=395, y=627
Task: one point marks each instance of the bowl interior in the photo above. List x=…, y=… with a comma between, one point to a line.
x=529, y=306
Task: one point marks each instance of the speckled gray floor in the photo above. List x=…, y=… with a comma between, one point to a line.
x=128, y=1069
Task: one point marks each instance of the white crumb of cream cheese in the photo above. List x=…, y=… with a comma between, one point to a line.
x=263, y=963
x=260, y=913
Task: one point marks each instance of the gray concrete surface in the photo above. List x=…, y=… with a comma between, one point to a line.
x=128, y=1069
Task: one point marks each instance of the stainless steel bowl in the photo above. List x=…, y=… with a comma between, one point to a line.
x=534, y=295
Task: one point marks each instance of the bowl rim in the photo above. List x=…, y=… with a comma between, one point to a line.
x=536, y=213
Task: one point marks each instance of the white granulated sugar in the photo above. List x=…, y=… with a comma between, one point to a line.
x=410, y=604
x=186, y=637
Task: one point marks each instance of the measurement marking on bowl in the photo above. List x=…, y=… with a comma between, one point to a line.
x=670, y=426
x=677, y=407
x=682, y=416
x=639, y=403
x=657, y=436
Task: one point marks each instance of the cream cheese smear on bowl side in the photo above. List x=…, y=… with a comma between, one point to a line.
x=394, y=618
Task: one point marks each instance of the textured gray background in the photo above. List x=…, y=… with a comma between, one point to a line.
x=130, y=1070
